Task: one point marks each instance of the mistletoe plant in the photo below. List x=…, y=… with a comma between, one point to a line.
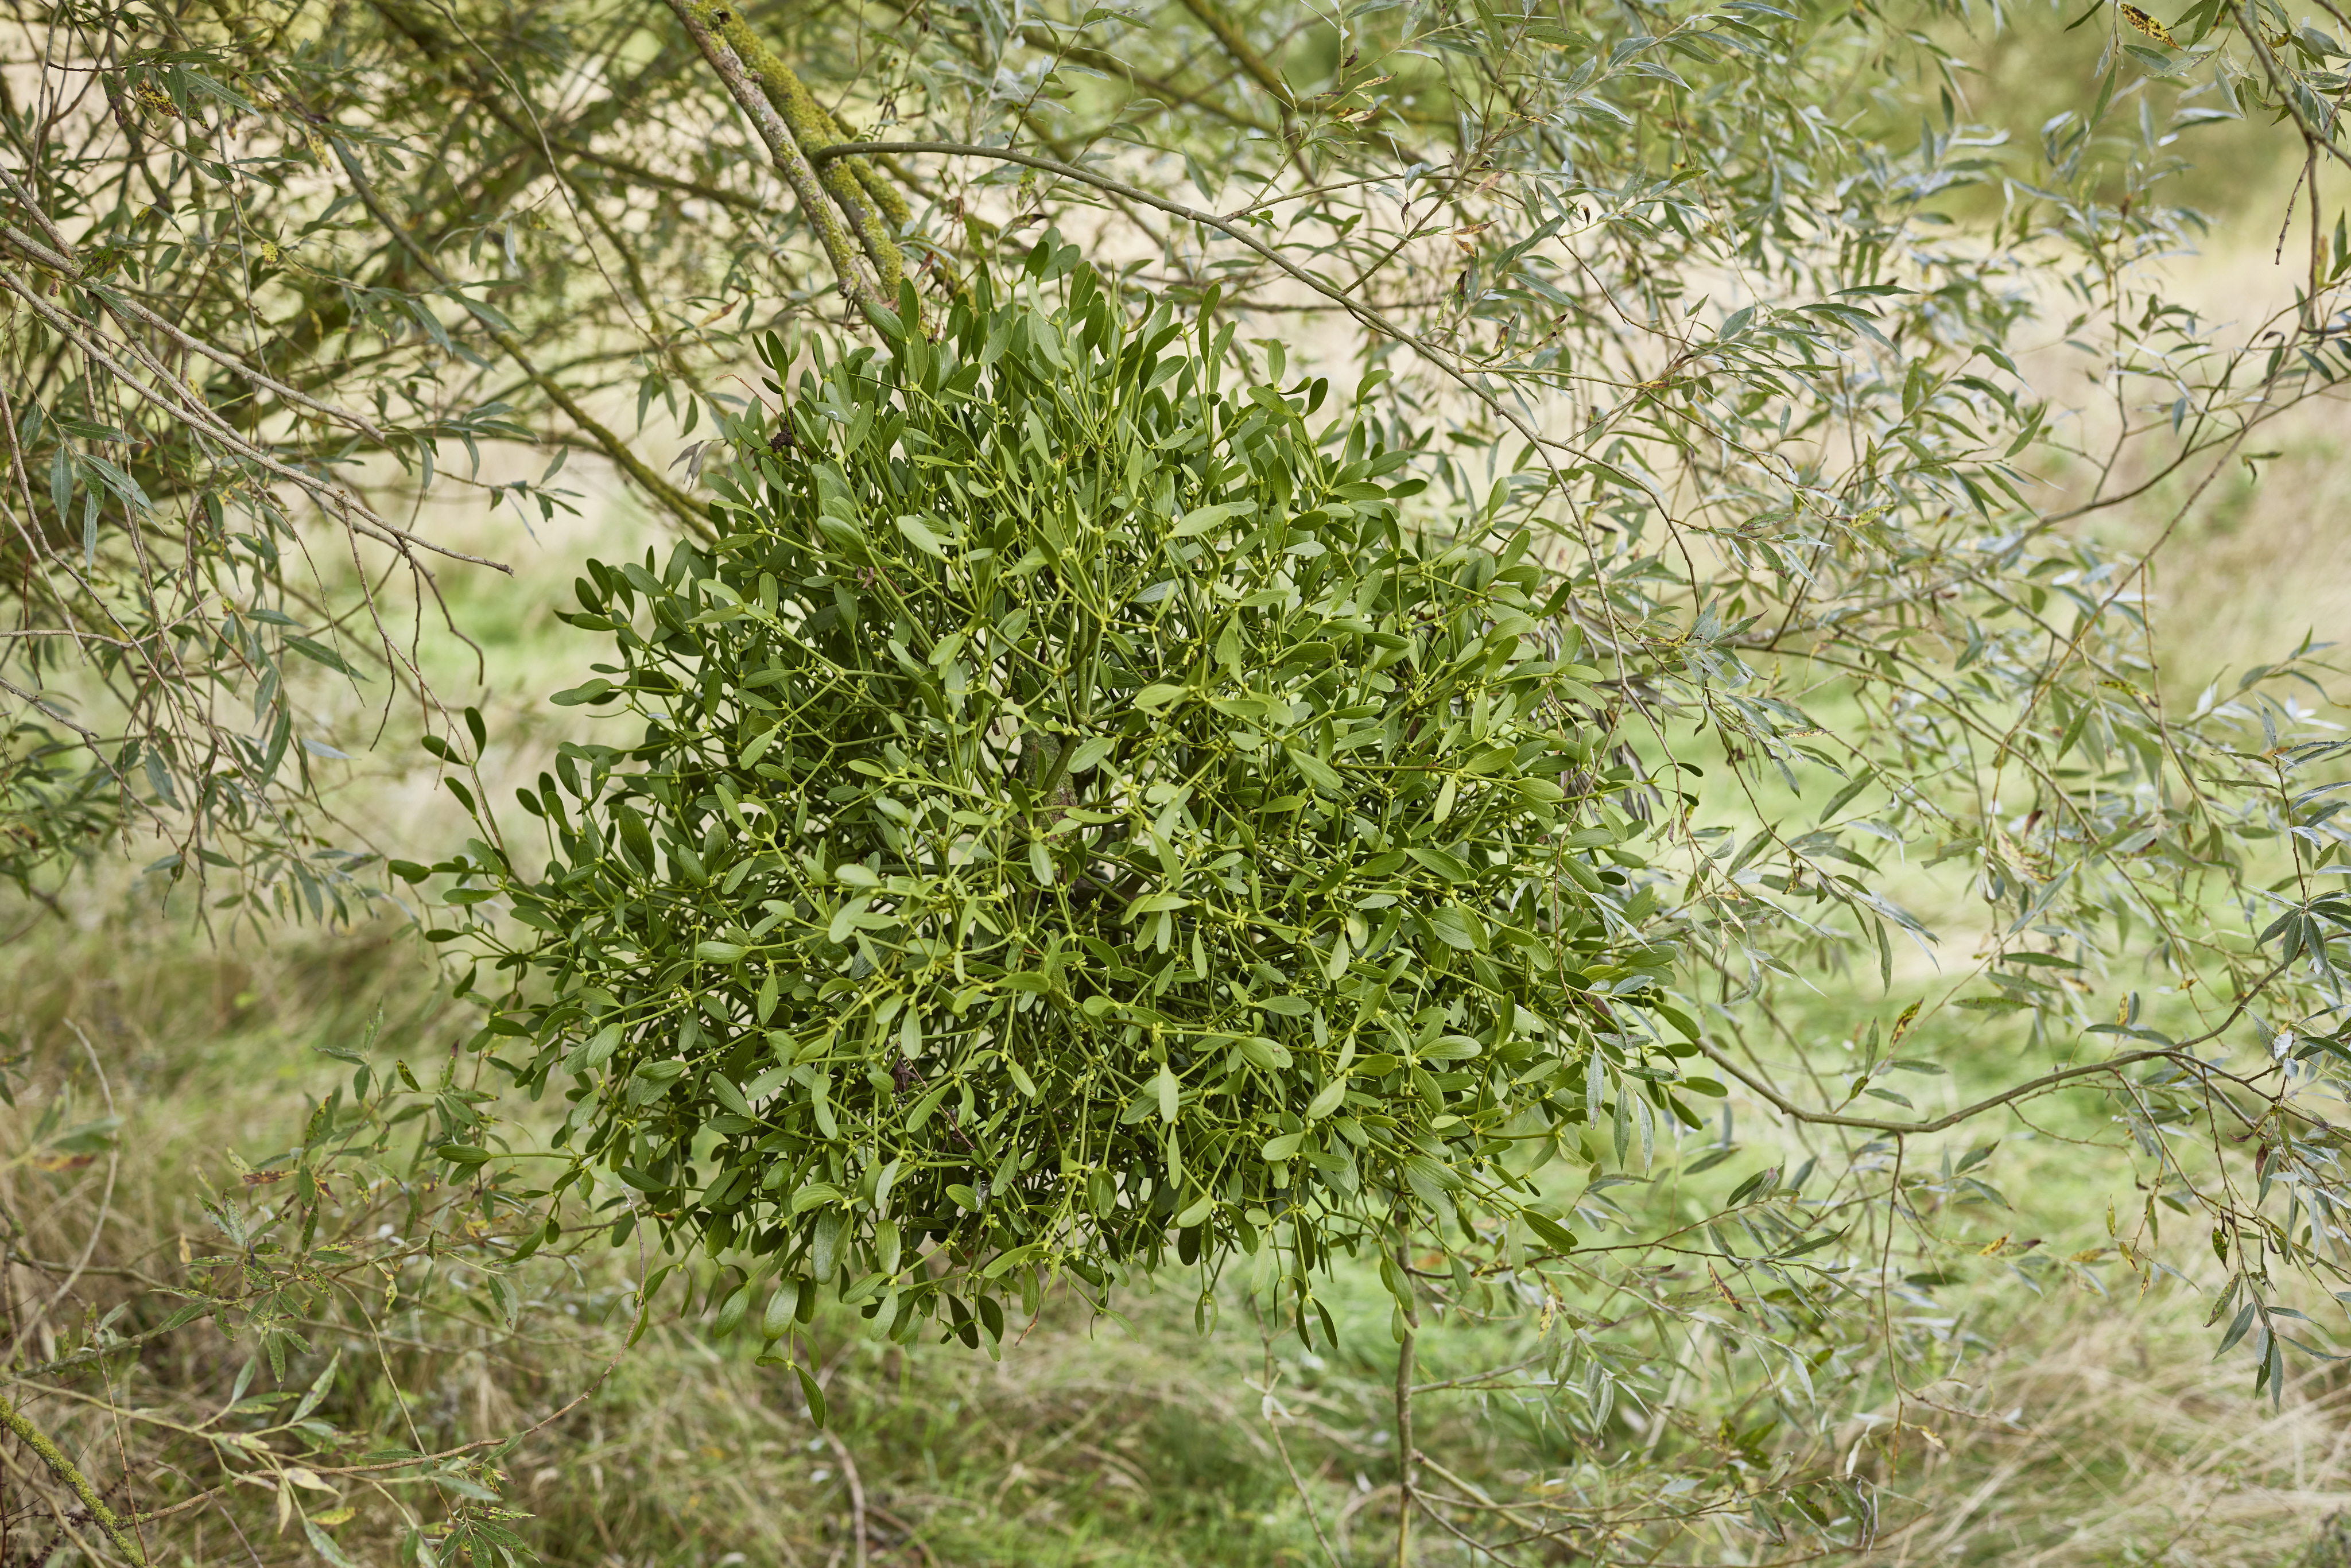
x=1078, y=814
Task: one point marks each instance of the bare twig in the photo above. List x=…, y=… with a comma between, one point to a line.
x=856, y=1492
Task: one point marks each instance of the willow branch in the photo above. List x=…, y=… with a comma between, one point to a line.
x=2178, y=1054
x=356, y=514
x=120, y=305
x=681, y=505
x=1447, y=362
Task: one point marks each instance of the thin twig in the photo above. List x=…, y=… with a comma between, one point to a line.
x=1410, y=1311
x=856, y=1491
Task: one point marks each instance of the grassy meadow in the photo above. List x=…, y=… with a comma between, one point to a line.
x=2073, y=1423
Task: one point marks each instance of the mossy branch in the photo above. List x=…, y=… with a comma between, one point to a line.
x=813, y=129
x=885, y=196
x=842, y=249
x=65, y=1470
x=853, y=210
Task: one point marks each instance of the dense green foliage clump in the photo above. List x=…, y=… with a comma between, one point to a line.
x=1076, y=811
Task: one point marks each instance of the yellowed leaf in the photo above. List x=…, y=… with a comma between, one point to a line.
x=2147, y=25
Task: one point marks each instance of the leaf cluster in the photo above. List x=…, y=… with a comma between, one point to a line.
x=1081, y=805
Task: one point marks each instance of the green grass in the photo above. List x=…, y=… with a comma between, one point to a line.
x=2067, y=1426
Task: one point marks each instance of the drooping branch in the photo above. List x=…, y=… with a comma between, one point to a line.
x=159, y=390
x=678, y=503
x=2180, y=1055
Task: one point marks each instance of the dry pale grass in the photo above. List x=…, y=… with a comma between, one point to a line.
x=2106, y=1435
x=1084, y=1444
